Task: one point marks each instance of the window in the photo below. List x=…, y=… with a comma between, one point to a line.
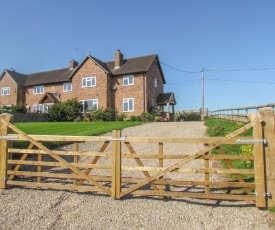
x=89, y=82
x=46, y=107
x=128, y=104
x=5, y=91
x=89, y=105
x=38, y=89
x=155, y=82
x=37, y=108
x=67, y=87
x=128, y=80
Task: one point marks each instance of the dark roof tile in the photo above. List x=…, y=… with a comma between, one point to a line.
x=19, y=78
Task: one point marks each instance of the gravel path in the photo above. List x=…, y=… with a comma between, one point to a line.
x=46, y=209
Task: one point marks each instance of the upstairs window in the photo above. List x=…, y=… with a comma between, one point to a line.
x=38, y=89
x=67, y=87
x=155, y=82
x=128, y=80
x=89, y=82
x=5, y=91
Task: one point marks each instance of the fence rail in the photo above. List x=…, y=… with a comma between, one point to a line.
x=238, y=113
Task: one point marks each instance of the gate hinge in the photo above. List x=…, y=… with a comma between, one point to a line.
x=117, y=139
x=267, y=194
x=252, y=141
x=9, y=137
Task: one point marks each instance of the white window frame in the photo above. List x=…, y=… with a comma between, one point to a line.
x=128, y=101
x=39, y=89
x=155, y=82
x=128, y=80
x=67, y=87
x=46, y=107
x=39, y=110
x=88, y=82
x=94, y=102
x=5, y=91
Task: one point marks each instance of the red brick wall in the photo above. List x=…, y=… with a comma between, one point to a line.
x=7, y=81
x=152, y=91
x=135, y=91
x=100, y=91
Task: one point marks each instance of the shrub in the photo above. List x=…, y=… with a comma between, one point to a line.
x=64, y=111
x=179, y=116
x=155, y=111
x=120, y=117
x=100, y=115
x=145, y=116
x=219, y=130
x=20, y=108
x=191, y=116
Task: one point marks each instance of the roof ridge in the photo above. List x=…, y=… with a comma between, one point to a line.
x=135, y=57
x=47, y=71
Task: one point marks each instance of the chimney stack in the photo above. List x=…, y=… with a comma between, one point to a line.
x=118, y=59
x=73, y=64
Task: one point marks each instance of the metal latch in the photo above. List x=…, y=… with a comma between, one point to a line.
x=117, y=139
x=9, y=137
x=253, y=141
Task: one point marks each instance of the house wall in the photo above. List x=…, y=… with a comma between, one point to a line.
x=100, y=91
x=152, y=91
x=11, y=99
x=135, y=91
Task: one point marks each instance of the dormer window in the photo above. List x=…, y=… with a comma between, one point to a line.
x=128, y=80
x=38, y=89
x=5, y=91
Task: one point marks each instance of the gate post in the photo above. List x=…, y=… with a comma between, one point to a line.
x=3, y=151
x=269, y=134
x=116, y=164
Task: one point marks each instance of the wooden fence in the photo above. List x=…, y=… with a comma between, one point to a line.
x=237, y=114
x=119, y=168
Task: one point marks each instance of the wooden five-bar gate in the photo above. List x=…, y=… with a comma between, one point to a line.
x=118, y=169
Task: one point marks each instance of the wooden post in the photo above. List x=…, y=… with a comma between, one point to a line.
x=3, y=151
x=161, y=165
x=268, y=116
x=76, y=148
x=259, y=168
x=206, y=174
x=116, y=165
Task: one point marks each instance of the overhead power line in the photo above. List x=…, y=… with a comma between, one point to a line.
x=219, y=70
x=252, y=82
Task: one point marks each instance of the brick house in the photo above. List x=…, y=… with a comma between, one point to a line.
x=131, y=86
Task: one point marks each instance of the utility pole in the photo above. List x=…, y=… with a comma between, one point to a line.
x=202, y=109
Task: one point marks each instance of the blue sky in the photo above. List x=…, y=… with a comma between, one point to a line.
x=217, y=35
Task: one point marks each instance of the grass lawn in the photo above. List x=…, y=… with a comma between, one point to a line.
x=73, y=128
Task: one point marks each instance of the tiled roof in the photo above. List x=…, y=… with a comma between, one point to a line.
x=163, y=98
x=47, y=77
x=132, y=65
x=19, y=78
x=52, y=96
x=129, y=66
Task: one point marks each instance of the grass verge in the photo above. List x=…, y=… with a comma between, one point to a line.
x=218, y=127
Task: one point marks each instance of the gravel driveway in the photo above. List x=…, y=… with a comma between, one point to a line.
x=46, y=209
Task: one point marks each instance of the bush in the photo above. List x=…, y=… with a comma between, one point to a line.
x=20, y=108
x=100, y=115
x=145, y=116
x=64, y=111
x=187, y=116
x=219, y=130
x=135, y=118
x=120, y=117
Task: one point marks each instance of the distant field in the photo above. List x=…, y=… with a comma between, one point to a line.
x=73, y=128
